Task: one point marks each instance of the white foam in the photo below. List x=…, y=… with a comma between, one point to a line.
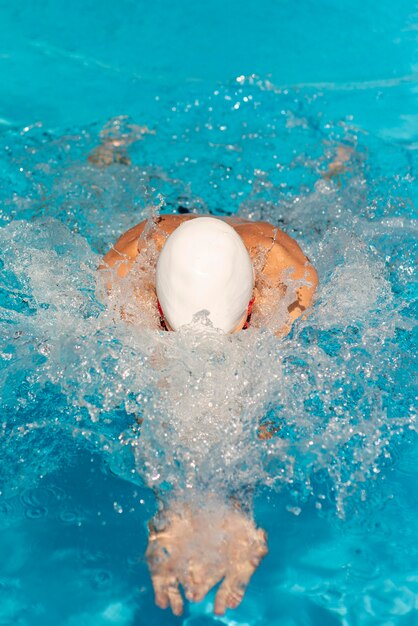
x=201, y=396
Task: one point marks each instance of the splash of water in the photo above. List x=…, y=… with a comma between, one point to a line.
x=187, y=411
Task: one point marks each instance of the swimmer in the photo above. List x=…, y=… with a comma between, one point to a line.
x=207, y=263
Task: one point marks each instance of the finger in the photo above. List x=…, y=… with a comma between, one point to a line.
x=160, y=591
x=167, y=593
x=228, y=596
x=200, y=592
x=175, y=599
x=220, y=600
x=231, y=592
x=200, y=578
x=195, y=592
x=261, y=548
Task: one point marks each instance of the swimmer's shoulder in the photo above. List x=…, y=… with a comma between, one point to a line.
x=284, y=260
x=128, y=246
x=283, y=252
x=124, y=251
x=265, y=235
x=283, y=249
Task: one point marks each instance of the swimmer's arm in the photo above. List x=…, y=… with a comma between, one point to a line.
x=337, y=165
x=123, y=254
x=286, y=263
x=193, y=529
x=305, y=293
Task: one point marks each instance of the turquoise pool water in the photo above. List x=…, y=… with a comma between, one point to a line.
x=247, y=104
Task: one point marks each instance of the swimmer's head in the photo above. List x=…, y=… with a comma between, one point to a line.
x=204, y=266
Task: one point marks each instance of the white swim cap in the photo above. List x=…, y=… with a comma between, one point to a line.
x=204, y=265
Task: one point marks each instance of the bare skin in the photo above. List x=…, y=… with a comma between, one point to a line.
x=283, y=258
x=194, y=548
x=179, y=552
x=339, y=164
x=197, y=549
x=115, y=138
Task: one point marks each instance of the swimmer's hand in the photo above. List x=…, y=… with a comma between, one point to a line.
x=338, y=164
x=198, y=548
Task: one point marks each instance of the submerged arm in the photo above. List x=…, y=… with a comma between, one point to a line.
x=304, y=293
x=287, y=265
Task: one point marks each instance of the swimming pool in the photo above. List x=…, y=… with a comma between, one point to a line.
x=247, y=104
